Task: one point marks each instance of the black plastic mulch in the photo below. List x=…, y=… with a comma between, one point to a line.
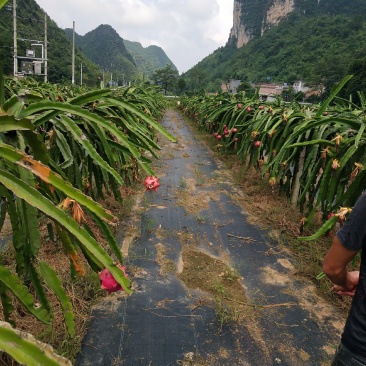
x=160, y=324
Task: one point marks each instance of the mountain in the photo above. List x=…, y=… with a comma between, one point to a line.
x=124, y=59
x=105, y=48
x=317, y=41
x=148, y=59
x=252, y=17
x=30, y=26
x=99, y=52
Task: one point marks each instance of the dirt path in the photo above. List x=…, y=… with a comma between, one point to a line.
x=211, y=289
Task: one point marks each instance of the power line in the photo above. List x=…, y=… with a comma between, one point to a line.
x=9, y=8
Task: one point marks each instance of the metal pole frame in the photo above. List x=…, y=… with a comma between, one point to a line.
x=15, y=38
x=45, y=49
x=73, y=53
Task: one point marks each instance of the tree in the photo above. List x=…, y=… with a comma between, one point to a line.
x=299, y=96
x=181, y=85
x=165, y=77
x=247, y=88
x=288, y=94
x=357, y=83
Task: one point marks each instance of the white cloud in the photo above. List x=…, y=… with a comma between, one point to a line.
x=187, y=30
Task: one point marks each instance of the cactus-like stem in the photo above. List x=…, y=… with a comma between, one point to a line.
x=26, y=350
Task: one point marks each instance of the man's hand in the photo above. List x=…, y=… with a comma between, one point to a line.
x=335, y=267
x=352, y=282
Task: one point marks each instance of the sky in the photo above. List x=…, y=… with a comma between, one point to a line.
x=187, y=30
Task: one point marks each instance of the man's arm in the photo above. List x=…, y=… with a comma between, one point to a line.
x=335, y=267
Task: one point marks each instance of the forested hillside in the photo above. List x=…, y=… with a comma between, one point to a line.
x=30, y=24
x=258, y=16
x=100, y=50
x=148, y=59
x=331, y=7
x=105, y=47
x=126, y=60
x=317, y=47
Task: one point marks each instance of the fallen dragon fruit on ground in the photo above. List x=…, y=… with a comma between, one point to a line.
x=108, y=282
x=152, y=183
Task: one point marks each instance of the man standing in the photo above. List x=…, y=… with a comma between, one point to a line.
x=350, y=239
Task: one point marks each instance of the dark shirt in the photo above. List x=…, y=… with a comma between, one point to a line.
x=352, y=235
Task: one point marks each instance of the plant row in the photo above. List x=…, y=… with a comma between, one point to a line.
x=315, y=154
x=62, y=150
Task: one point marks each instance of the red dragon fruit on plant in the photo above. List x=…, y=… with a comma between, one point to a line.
x=108, y=282
x=152, y=183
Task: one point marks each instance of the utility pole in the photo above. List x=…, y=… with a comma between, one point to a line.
x=45, y=49
x=2, y=87
x=73, y=53
x=15, y=38
x=81, y=74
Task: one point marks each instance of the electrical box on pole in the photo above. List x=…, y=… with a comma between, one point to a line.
x=30, y=53
x=26, y=67
x=37, y=65
x=35, y=54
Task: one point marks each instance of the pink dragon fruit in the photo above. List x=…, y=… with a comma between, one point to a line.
x=152, y=183
x=108, y=282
